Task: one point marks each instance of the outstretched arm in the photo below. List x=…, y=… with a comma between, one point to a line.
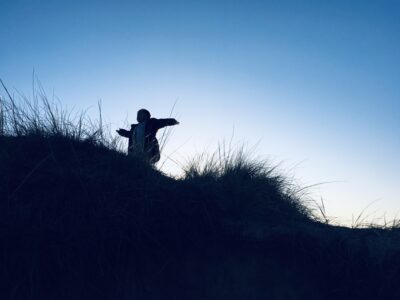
x=166, y=122
x=123, y=132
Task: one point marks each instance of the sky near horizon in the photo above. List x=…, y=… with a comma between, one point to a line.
x=314, y=84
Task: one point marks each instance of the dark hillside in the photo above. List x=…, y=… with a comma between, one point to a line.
x=80, y=221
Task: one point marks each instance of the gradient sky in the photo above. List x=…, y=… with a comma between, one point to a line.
x=315, y=83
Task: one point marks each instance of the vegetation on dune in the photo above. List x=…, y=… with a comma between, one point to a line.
x=81, y=220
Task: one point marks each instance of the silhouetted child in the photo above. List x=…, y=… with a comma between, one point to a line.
x=142, y=136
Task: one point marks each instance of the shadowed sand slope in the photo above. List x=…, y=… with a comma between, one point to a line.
x=79, y=220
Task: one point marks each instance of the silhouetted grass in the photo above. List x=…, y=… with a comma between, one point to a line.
x=81, y=220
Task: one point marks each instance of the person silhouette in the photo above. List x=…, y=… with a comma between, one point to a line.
x=142, y=136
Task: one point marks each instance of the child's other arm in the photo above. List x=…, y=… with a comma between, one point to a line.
x=123, y=132
x=166, y=122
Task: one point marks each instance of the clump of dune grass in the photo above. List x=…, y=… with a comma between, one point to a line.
x=42, y=116
x=253, y=195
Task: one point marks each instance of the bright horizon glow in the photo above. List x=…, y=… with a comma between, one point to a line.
x=314, y=84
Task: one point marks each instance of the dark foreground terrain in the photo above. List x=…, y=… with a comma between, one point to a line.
x=81, y=221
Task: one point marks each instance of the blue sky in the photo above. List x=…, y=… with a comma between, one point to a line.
x=314, y=83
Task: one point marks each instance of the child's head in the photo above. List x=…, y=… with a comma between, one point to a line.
x=143, y=115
